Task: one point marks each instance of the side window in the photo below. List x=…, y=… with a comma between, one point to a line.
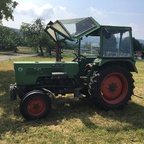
x=110, y=46
x=125, y=48
x=116, y=44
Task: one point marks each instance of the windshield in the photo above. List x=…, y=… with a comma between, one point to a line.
x=116, y=43
x=71, y=29
x=78, y=26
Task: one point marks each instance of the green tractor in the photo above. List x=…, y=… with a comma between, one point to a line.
x=100, y=71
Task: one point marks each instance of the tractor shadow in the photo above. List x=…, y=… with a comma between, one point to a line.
x=65, y=108
x=84, y=110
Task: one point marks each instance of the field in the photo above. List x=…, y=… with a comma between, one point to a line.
x=71, y=122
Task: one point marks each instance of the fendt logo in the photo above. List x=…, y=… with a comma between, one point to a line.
x=20, y=69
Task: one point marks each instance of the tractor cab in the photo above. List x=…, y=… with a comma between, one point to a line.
x=97, y=44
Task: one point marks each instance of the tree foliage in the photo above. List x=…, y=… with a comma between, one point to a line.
x=35, y=35
x=142, y=47
x=136, y=44
x=110, y=43
x=125, y=45
x=9, y=39
x=6, y=9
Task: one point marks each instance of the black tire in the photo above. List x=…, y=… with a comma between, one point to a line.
x=35, y=105
x=111, y=87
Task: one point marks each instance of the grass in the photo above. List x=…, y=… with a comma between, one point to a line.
x=27, y=50
x=21, y=50
x=71, y=122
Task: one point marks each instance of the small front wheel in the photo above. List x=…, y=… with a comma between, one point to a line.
x=35, y=105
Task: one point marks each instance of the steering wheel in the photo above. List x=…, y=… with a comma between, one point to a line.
x=78, y=57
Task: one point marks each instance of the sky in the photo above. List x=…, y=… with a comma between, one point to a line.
x=105, y=12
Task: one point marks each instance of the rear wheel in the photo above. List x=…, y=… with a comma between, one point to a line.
x=111, y=87
x=35, y=105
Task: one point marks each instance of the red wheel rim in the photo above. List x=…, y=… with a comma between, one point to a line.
x=36, y=107
x=114, y=88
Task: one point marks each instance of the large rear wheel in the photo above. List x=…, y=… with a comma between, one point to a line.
x=34, y=105
x=111, y=87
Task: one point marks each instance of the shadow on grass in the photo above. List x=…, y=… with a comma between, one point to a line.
x=65, y=108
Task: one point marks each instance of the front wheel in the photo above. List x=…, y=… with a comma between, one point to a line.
x=35, y=105
x=111, y=87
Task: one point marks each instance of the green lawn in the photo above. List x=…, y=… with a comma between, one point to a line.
x=71, y=122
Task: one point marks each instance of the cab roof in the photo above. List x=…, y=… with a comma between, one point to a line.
x=74, y=29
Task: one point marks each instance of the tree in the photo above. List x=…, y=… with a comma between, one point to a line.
x=9, y=39
x=87, y=45
x=125, y=45
x=6, y=9
x=142, y=45
x=1, y=23
x=136, y=44
x=110, y=43
x=35, y=36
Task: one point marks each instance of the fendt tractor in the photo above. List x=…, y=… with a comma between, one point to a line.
x=100, y=71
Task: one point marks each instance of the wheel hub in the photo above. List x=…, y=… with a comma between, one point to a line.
x=35, y=107
x=112, y=87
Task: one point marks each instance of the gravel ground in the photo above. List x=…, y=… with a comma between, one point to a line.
x=5, y=57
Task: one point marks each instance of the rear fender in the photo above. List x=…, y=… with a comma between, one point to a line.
x=128, y=64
